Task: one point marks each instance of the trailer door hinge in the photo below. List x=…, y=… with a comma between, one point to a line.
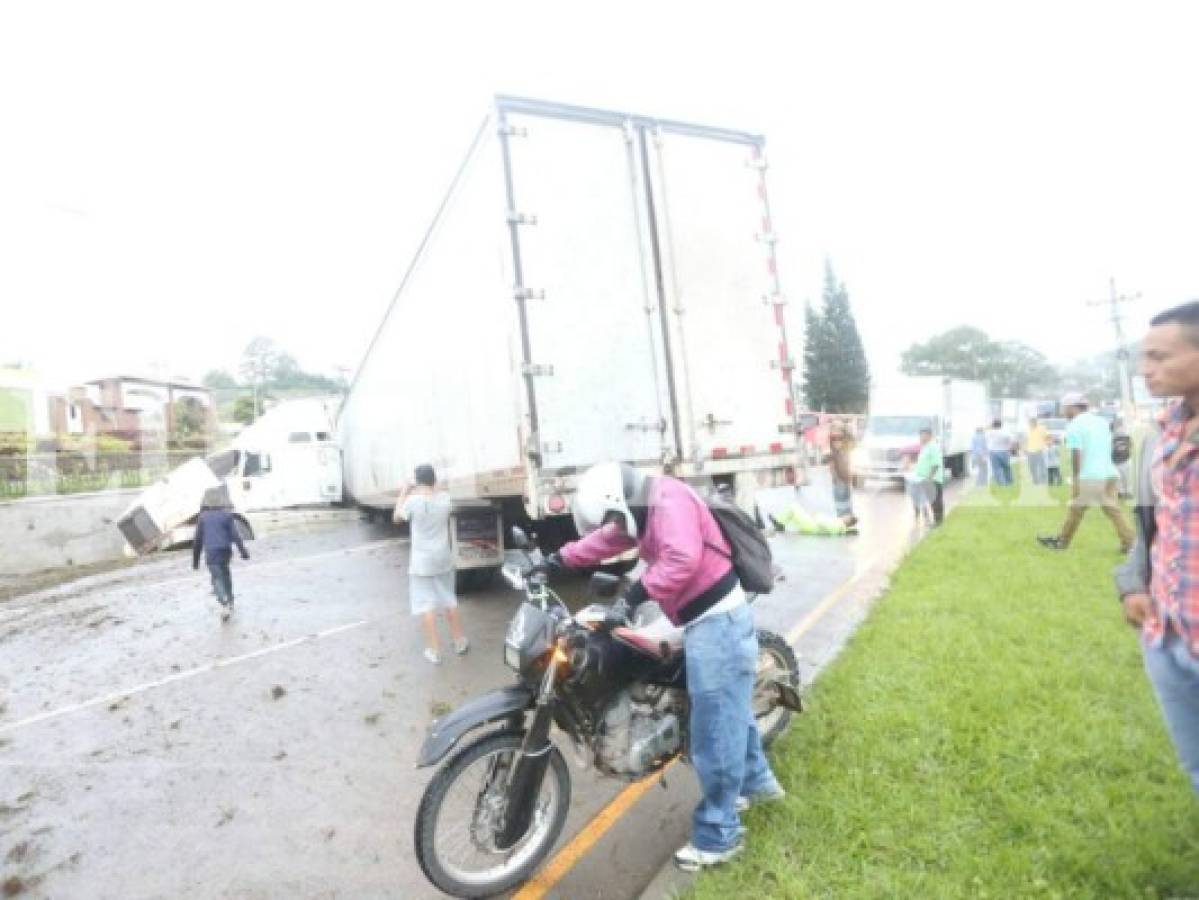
x=774, y=299
x=787, y=365
x=513, y=130
x=768, y=237
x=524, y=293
x=646, y=425
x=519, y=218
x=712, y=423
x=551, y=447
x=532, y=370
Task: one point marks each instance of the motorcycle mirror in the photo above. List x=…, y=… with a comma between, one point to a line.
x=604, y=585
x=520, y=540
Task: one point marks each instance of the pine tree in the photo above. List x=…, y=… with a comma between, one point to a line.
x=845, y=359
x=815, y=371
x=836, y=376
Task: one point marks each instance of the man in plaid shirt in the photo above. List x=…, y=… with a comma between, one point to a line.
x=1159, y=583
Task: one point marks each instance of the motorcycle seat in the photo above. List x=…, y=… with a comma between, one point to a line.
x=639, y=641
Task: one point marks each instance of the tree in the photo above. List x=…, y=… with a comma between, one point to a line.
x=245, y=409
x=219, y=380
x=189, y=419
x=836, y=374
x=260, y=366
x=815, y=352
x=1009, y=368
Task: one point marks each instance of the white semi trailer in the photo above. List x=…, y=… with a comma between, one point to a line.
x=595, y=286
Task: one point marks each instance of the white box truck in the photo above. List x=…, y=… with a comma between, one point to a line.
x=901, y=407
x=595, y=286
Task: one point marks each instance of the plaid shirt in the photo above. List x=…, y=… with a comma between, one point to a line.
x=1174, y=586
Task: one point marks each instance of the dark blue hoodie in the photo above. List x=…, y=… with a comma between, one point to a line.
x=216, y=533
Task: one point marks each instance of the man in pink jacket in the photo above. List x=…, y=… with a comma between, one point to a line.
x=691, y=578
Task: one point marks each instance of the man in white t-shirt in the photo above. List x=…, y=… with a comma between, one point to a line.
x=999, y=447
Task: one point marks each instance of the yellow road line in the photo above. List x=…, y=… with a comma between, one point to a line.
x=580, y=845
x=807, y=622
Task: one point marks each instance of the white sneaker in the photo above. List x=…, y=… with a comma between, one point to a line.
x=461, y=645
x=433, y=656
x=772, y=796
x=690, y=858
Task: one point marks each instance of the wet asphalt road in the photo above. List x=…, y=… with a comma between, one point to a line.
x=147, y=750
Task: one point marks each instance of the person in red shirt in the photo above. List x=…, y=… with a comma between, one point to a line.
x=1159, y=583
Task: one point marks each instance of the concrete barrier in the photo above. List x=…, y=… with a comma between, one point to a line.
x=70, y=530
x=41, y=533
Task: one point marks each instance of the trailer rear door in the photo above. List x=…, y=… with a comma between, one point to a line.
x=727, y=331
x=592, y=337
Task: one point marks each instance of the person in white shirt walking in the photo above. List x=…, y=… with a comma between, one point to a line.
x=430, y=560
x=999, y=446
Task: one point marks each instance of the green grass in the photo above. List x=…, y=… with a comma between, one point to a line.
x=988, y=732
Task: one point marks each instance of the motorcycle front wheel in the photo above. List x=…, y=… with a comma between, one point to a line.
x=463, y=809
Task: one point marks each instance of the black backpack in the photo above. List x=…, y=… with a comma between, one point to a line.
x=751, y=554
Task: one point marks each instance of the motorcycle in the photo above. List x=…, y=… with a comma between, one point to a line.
x=615, y=686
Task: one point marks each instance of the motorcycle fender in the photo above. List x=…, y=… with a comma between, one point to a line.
x=445, y=732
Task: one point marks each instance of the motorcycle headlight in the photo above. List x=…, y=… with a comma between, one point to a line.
x=512, y=657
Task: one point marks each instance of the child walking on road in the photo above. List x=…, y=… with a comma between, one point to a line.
x=216, y=534
x=430, y=561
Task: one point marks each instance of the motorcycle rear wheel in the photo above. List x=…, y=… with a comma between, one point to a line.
x=476, y=769
x=776, y=659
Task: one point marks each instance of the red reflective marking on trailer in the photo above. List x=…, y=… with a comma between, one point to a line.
x=747, y=449
x=776, y=447
x=719, y=452
x=778, y=316
x=790, y=407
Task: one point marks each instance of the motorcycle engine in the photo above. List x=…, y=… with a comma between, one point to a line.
x=641, y=726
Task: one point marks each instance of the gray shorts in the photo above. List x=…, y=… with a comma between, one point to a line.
x=427, y=593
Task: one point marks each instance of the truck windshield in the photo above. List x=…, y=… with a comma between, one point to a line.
x=897, y=426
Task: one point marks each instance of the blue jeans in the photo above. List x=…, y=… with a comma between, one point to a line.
x=980, y=470
x=726, y=749
x=1001, y=468
x=1036, y=466
x=842, y=499
x=1175, y=677
x=222, y=577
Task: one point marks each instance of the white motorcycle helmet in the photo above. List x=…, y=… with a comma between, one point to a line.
x=607, y=489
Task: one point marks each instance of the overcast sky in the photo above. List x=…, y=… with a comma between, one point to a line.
x=175, y=178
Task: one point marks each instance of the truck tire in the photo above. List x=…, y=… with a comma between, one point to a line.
x=468, y=581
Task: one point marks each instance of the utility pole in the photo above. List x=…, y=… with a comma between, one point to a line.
x=1123, y=373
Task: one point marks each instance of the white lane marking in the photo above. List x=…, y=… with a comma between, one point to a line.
x=117, y=696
